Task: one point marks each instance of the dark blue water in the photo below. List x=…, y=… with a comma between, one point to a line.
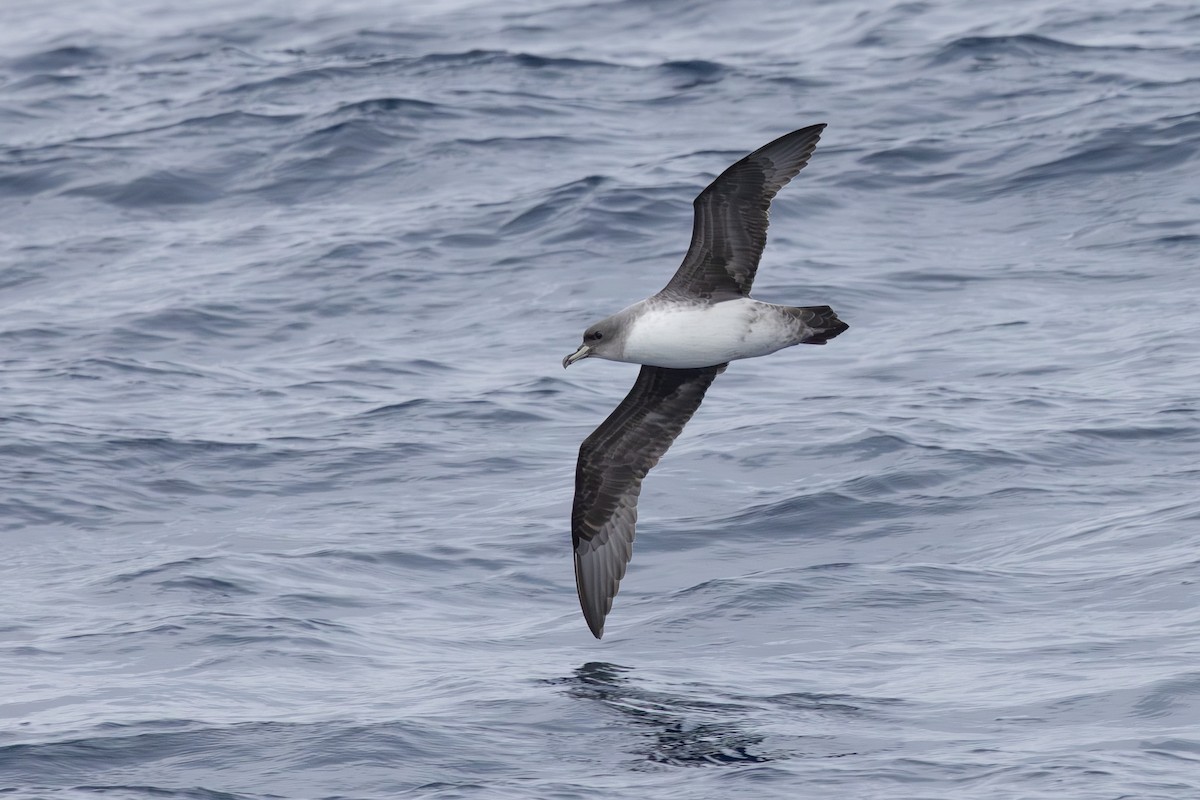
x=287, y=452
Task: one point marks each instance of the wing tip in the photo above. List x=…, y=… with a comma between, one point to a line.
x=800, y=143
x=594, y=618
x=807, y=132
x=593, y=604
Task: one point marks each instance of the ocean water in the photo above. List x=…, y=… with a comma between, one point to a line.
x=287, y=452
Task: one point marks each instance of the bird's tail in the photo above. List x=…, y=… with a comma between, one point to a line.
x=820, y=322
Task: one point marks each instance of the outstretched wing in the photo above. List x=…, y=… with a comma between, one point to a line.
x=608, y=477
x=730, y=228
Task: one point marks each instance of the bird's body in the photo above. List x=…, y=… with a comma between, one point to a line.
x=680, y=335
x=683, y=337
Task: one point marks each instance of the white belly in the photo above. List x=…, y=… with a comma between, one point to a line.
x=686, y=337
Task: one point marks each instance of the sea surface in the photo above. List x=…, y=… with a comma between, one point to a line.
x=287, y=451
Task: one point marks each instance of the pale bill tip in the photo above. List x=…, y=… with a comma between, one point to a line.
x=583, y=352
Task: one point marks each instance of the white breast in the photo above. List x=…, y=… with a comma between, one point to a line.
x=686, y=336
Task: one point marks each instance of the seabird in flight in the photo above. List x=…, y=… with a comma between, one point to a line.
x=683, y=337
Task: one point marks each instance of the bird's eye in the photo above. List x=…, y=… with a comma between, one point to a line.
x=597, y=336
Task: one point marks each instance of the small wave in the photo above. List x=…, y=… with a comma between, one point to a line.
x=136, y=753
x=162, y=188
x=691, y=74
x=1111, y=152
x=483, y=410
x=993, y=49
x=559, y=202
x=471, y=58
x=406, y=107
x=195, y=322
x=59, y=58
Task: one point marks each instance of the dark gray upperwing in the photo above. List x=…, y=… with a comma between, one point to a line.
x=608, y=477
x=730, y=227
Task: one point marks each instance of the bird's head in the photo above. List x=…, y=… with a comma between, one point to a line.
x=599, y=340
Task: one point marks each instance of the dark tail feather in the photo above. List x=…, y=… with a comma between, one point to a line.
x=822, y=323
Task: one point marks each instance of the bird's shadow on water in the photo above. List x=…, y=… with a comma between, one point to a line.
x=682, y=729
x=676, y=729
